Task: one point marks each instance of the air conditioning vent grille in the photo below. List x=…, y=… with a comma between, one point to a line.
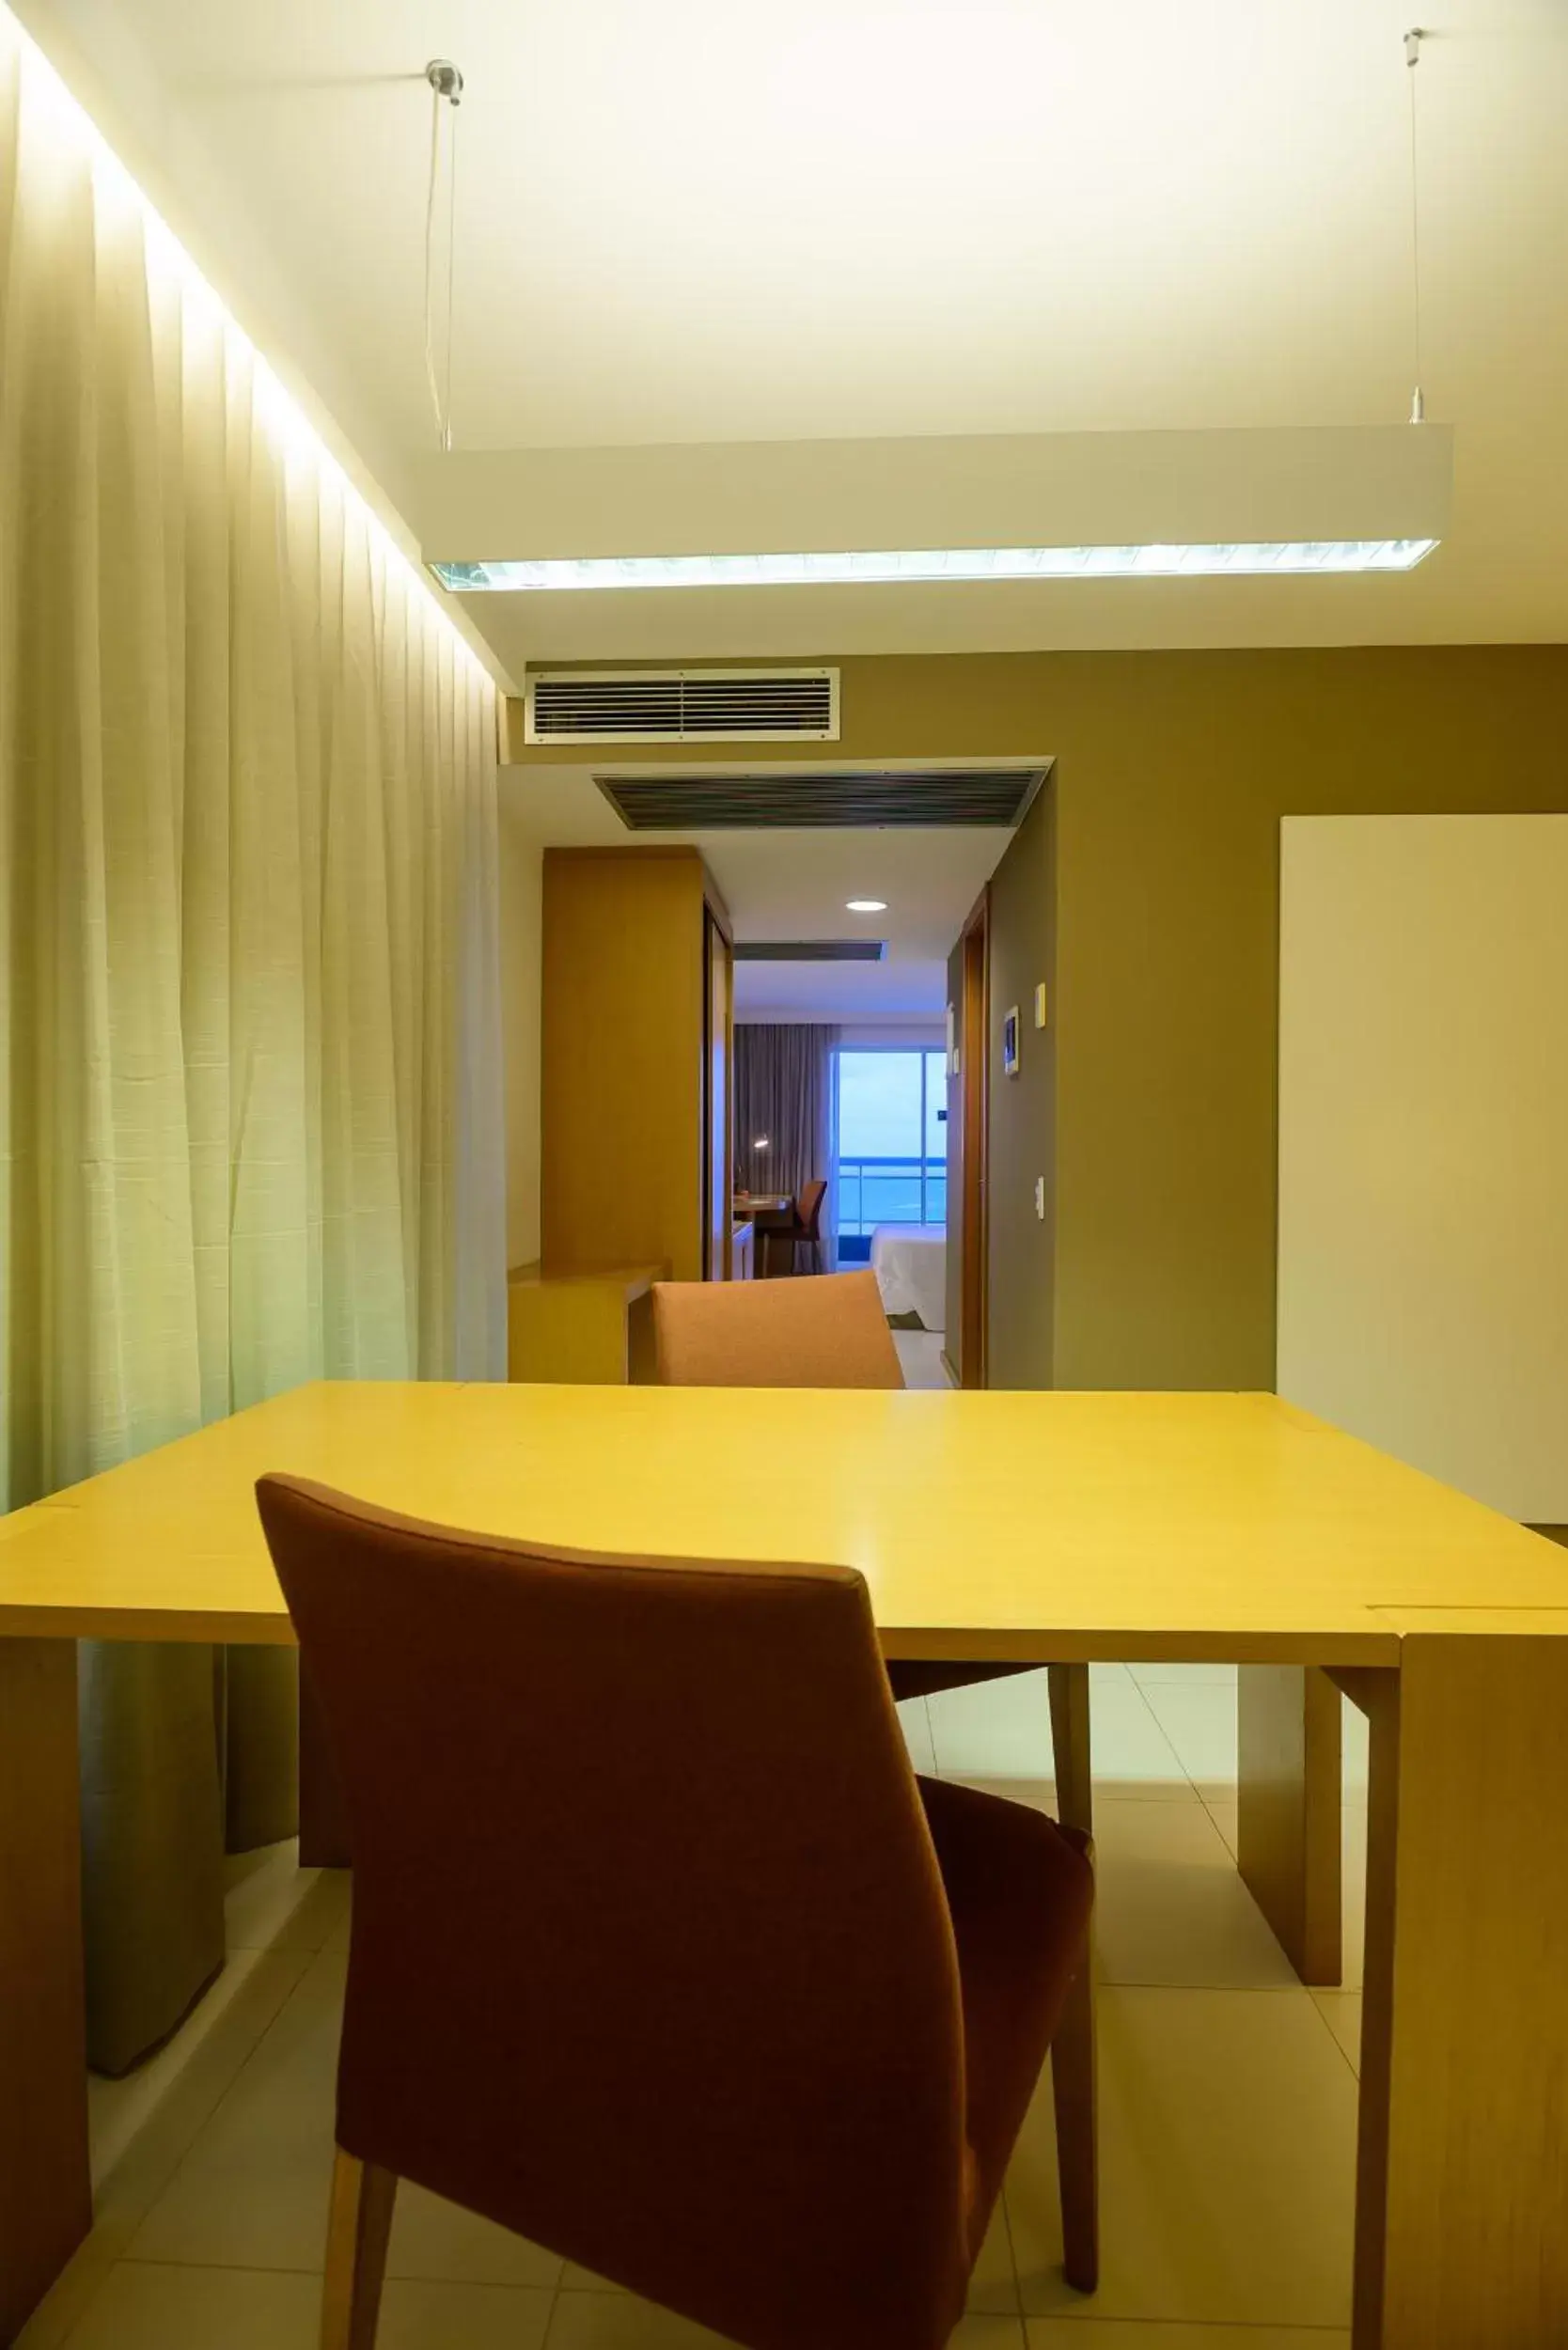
x=811, y=950
x=776, y=800
x=682, y=706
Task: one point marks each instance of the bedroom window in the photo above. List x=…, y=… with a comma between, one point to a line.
x=892, y=1161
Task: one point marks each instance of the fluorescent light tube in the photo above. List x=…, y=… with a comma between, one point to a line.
x=565, y=574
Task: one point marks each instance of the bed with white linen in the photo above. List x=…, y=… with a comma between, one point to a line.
x=910, y=1261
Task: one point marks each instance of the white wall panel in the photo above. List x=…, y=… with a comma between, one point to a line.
x=1424, y=1143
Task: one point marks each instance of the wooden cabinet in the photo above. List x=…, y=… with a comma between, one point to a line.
x=635, y=1098
x=580, y=1329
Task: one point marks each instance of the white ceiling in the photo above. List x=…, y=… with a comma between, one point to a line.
x=869, y=996
x=793, y=886
x=716, y=220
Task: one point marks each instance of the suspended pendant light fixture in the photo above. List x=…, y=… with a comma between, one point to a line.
x=1062, y=507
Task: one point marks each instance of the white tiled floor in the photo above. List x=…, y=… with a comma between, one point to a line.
x=920, y=1353
x=1228, y=2099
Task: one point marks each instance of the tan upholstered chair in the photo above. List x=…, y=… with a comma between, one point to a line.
x=833, y=1333
x=745, y=2022
x=827, y=1332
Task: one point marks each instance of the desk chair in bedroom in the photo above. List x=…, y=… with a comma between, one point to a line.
x=803, y=1230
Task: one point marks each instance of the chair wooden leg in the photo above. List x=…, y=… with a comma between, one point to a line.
x=358, y=2228
x=1072, y=2091
x=1069, y=1686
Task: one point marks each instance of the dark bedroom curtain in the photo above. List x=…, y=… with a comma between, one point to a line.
x=785, y=1090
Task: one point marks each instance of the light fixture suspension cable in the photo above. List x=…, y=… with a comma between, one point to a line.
x=445, y=88
x=1413, y=40
x=451, y=272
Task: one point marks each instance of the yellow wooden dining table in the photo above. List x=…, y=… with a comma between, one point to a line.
x=1027, y=1527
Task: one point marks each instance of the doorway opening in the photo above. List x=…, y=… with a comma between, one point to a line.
x=890, y=1160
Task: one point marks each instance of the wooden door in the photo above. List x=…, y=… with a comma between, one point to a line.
x=718, y=1150
x=974, y=1086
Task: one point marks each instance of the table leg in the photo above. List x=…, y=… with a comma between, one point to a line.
x=1070, y=1743
x=45, y=2179
x=1461, y=2178
x=1288, y=1811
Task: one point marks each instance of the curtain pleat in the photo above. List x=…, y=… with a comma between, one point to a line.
x=250, y=1091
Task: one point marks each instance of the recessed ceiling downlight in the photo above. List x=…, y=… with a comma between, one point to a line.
x=865, y=905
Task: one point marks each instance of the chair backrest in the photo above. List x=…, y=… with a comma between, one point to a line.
x=808, y=1205
x=829, y=1332
x=651, y=1959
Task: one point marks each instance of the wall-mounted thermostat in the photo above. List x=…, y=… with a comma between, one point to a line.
x=1009, y=1043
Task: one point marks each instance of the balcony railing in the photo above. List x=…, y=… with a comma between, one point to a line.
x=889, y=1191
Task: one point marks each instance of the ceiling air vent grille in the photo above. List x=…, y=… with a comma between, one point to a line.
x=852, y=799
x=682, y=706
x=811, y=950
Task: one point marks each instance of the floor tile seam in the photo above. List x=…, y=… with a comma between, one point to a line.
x=135, y=2145
x=238, y=2078
x=1192, y=1779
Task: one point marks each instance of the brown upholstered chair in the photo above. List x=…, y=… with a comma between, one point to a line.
x=830, y=1333
x=804, y=1229
x=745, y=2022
x=833, y=1333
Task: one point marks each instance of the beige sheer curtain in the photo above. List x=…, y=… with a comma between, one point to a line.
x=250, y=1113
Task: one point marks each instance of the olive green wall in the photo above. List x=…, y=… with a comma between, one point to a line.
x=1173, y=769
x=1173, y=772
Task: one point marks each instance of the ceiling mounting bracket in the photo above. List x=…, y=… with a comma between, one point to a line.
x=445, y=79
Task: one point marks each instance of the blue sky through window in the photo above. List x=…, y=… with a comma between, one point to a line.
x=892, y=1139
